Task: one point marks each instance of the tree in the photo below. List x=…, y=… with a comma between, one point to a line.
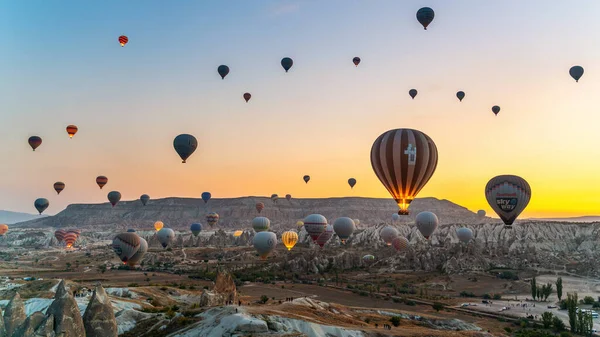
x=588, y=300
x=559, y=288
x=533, y=288
x=547, y=319
x=395, y=320
x=264, y=299
x=538, y=292
x=547, y=291
x=572, y=308
x=558, y=324
x=102, y=268
x=68, y=265
x=437, y=306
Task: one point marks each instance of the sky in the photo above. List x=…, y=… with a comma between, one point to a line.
x=61, y=64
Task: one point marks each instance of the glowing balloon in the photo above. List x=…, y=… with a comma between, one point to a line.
x=289, y=239
x=237, y=233
x=72, y=130
x=508, y=195
x=123, y=40
x=70, y=238
x=158, y=225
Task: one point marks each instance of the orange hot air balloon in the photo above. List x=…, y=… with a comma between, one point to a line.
x=3, y=229
x=123, y=40
x=71, y=130
x=59, y=186
x=158, y=225
x=70, y=239
x=101, y=181
x=260, y=206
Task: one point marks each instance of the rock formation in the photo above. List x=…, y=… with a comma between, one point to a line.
x=99, y=317
x=46, y=329
x=14, y=314
x=2, y=328
x=67, y=317
x=31, y=324
x=223, y=291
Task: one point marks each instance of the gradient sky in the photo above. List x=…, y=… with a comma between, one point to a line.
x=61, y=64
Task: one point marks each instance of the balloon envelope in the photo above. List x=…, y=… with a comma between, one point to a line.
x=261, y=224
x=206, y=196
x=306, y=178
x=165, y=236
x=289, y=239
x=264, y=243
x=60, y=235
x=464, y=234
x=315, y=224
x=576, y=72
x=343, y=227
x=325, y=236
x=34, y=142
x=196, y=228
x=425, y=16
x=400, y=244
x=125, y=245
x=388, y=234
x=71, y=130
x=508, y=195
x=247, y=96
x=495, y=109
x=460, y=95
x=212, y=219
x=223, y=70
x=427, y=222
x=158, y=225
x=123, y=40
x=481, y=213
x=144, y=198
x=260, y=206
x=137, y=257
x=3, y=229
x=356, y=61
x=288, y=197
x=101, y=181
x=59, y=186
x=395, y=217
x=131, y=230
x=41, y=204
x=185, y=145
x=114, y=197
x=351, y=182
x=412, y=93
x=237, y=233
x=287, y=63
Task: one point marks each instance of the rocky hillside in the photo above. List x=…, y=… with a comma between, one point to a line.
x=179, y=213
x=8, y=217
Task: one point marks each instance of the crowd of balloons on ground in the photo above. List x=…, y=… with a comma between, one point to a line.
x=404, y=160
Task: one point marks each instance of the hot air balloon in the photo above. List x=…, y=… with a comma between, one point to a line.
x=70, y=238
x=165, y=236
x=496, y=110
x=247, y=96
x=395, y=217
x=343, y=227
x=576, y=72
x=212, y=218
x=299, y=225
x=460, y=95
x=76, y=231
x=185, y=145
x=72, y=130
x=34, y=142
x=237, y=233
x=60, y=235
x=289, y=239
x=123, y=40
x=412, y=93
x=261, y=224
x=356, y=222
x=274, y=197
x=158, y=225
x=287, y=63
x=126, y=245
x=325, y=236
x=264, y=243
x=101, y=181
x=368, y=258
x=114, y=197
x=425, y=15
x=400, y=243
x=481, y=213
x=144, y=198
x=196, y=228
x=288, y=197
x=59, y=186
x=306, y=178
x=404, y=160
x=426, y=222
x=206, y=196
x=315, y=224
x=223, y=70
x=131, y=230
x=139, y=255
x=356, y=61
x=3, y=229
x=351, y=182
x=41, y=204
x=388, y=234
x=508, y=195
x=464, y=234
x=260, y=206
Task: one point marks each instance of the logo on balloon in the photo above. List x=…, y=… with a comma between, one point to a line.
x=411, y=152
x=507, y=204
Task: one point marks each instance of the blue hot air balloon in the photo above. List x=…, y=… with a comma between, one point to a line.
x=196, y=228
x=206, y=196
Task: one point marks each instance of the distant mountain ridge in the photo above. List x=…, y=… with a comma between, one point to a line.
x=587, y=218
x=179, y=213
x=9, y=218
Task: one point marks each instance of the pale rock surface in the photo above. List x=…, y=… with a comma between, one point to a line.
x=67, y=317
x=99, y=317
x=14, y=314
x=31, y=324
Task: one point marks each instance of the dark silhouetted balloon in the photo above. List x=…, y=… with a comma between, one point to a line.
x=114, y=197
x=144, y=199
x=123, y=40
x=41, y=204
x=185, y=145
x=495, y=110
x=306, y=178
x=356, y=61
x=223, y=70
x=101, y=181
x=460, y=95
x=287, y=63
x=34, y=142
x=260, y=206
x=247, y=96
x=576, y=72
x=412, y=93
x=196, y=228
x=288, y=197
x=59, y=186
x=206, y=196
x=351, y=182
x=425, y=15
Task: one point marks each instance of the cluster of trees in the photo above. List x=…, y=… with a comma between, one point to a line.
x=541, y=293
x=580, y=322
x=549, y=320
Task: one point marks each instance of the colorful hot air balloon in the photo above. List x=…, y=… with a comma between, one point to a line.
x=287, y=63
x=460, y=95
x=496, y=110
x=41, y=204
x=288, y=197
x=165, y=236
x=508, y=195
x=206, y=196
x=368, y=258
x=481, y=213
x=247, y=96
x=576, y=72
x=289, y=239
x=351, y=182
x=425, y=16
x=325, y=236
x=144, y=198
x=404, y=160
x=223, y=70
x=60, y=235
x=72, y=130
x=59, y=186
x=343, y=227
x=123, y=40
x=3, y=229
x=412, y=93
x=426, y=222
x=356, y=61
x=237, y=233
x=315, y=224
x=306, y=178
x=212, y=218
x=260, y=206
x=196, y=228
x=264, y=243
x=114, y=197
x=464, y=234
x=388, y=234
x=101, y=181
x=299, y=225
x=139, y=255
x=34, y=142
x=158, y=225
x=70, y=238
x=185, y=145
x=400, y=243
x=126, y=245
x=261, y=224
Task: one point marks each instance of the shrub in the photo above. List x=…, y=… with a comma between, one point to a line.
x=396, y=300
x=410, y=302
x=497, y=297
x=437, y=306
x=547, y=319
x=264, y=299
x=507, y=329
x=133, y=285
x=466, y=294
x=486, y=297
x=395, y=320
x=558, y=324
x=596, y=305
x=562, y=305
x=588, y=300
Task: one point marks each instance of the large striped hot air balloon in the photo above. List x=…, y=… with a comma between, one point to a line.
x=101, y=181
x=3, y=229
x=59, y=186
x=404, y=160
x=400, y=244
x=34, y=142
x=123, y=40
x=70, y=238
x=72, y=130
x=139, y=255
x=289, y=239
x=125, y=245
x=508, y=195
x=60, y=235
x=212, y=219
x=315, y=224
